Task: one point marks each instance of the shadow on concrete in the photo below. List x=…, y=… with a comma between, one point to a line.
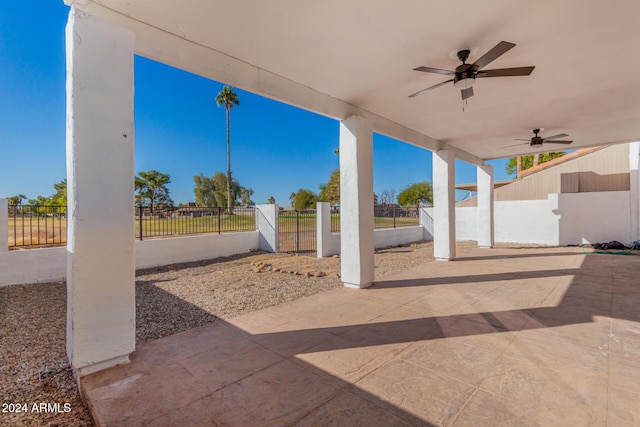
x=219, y=375
x=224, y=374
x=452, y=280
x=516, y=256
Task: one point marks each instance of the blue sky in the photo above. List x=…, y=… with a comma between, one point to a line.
x=276, y=149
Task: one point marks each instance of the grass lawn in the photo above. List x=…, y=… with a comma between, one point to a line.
x=188, y=225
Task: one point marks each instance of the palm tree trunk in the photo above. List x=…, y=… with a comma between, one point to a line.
x=518, y=166
x=229, y=201
x=536, y=159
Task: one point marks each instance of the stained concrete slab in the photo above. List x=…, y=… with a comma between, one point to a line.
x=530, y=336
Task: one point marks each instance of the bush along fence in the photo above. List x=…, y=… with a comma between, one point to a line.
x=40, y=226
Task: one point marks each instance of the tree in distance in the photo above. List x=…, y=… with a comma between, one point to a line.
x=303, y=199
x=271, y=201
x=16, y=200
x=529, y=161
x=60, y=198
x=229, y=98
x=388, y=197
x=416, y=194
x=330, y=192
x=151, y=189
x=213, y=191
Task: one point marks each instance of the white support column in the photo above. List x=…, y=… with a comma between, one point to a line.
x=634, y=190
x=4, y=225
x=444, y=212
x=267, y=223
x=356, y=202
x=323, y=228
x=485, y=206
x=101, y=308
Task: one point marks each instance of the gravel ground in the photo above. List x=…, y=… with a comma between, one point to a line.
x=170, y=299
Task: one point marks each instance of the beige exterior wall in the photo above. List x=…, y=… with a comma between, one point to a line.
x=602, y=170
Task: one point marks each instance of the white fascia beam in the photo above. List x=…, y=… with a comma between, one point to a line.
x=179, y=52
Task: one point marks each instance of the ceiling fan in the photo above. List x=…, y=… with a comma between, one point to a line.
x=464, y=77
x=536, y=141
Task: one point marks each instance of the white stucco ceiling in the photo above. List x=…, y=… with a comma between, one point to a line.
x=586, y=52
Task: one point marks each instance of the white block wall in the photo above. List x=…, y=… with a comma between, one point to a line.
x=562, y=219
x=33, y=266
x=594, y=217
x=527, y=221
x=156, y=252
x=50, y=264
x=383, y=238
x=388, y=237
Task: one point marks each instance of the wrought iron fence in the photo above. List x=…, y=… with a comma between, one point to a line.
x=297, y=231
x=167, y=222
x=385, y=216
x=37, y=226
x=390, y=216
x=335, y=219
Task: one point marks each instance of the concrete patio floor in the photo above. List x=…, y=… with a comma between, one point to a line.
x=499, y=337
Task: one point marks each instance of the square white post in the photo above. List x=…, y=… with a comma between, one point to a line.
x=101, y=308
x=634, y=190
x=485, y=206
x=356, y=202
x=4, y=225
x=444, y=213
x=323, y=229
x=267, y=223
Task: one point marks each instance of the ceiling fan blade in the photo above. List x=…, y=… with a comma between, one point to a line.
x=506, y=72
x=517, y=145
x=497, y=51
x=467, y=93
x=435, y=70
x=560, y=135
x=413, y=95
x=556, y=142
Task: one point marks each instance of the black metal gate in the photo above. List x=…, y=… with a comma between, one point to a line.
x=297, y=231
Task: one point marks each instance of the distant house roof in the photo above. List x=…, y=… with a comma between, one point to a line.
x=559, y=160
x=472, y=186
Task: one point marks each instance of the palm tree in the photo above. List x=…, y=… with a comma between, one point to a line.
x=16, y=203
x=229, y=98
x=16, y=200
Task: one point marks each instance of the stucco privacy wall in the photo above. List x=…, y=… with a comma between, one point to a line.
x=594, y=217
x=153, y=253
x=523, y=221
x=50, y=265
x=383, y=238
x=562, y=219
x=33, y=266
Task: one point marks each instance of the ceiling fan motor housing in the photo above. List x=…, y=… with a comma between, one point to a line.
x=536, y=140
x=464, y=70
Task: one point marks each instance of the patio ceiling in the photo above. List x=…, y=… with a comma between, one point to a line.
x=586, y=82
